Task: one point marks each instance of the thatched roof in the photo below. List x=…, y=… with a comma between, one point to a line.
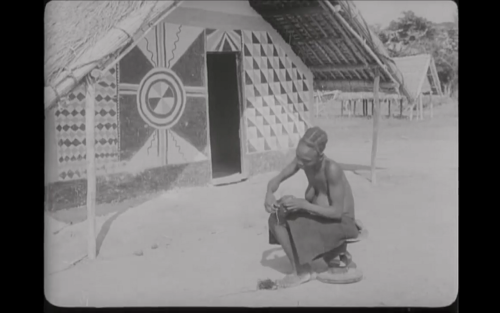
x=420, y=74
x=73, y=27
x=327, y=46
x=337, y=46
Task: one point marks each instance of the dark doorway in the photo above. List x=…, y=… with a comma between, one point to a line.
x=224, y=113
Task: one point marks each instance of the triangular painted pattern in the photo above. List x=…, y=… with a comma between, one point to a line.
x=277, y=97
x=180, y=151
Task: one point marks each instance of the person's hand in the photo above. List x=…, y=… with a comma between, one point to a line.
x=294, y=204
x=270, y=203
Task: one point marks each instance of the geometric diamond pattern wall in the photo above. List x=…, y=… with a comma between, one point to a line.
x=277, y=95
x=70, y=128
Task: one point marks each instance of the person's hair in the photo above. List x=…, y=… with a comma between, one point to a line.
x=315, y=138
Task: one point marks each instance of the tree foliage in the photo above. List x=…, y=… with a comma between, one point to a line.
x=412, y=35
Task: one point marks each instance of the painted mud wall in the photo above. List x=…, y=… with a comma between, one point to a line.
x=152, y=108
x=277, y=85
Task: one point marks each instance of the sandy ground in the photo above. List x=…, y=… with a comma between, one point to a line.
x=200, y=245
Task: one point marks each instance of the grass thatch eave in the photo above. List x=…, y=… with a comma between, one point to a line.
x=324, y=42
x=108, y=31
x=71, y=27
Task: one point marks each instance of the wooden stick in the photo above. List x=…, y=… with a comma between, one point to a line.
x=432, y=106
x=421, y=107
x=376, y=117
x=317, y=104
x=418, y=109
x=91, y=175
x=417, y=103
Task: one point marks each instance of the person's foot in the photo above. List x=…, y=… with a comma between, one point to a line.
x=341, y=274
x=338, y=268
x=351, y=275
x=293, y=280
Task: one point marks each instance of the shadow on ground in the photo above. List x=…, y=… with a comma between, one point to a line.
x=105, y=228
x=278, y=263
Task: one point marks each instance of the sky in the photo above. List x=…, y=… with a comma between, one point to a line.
x=383, y=12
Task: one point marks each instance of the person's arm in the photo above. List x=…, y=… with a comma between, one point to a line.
x=310, y=193
x=286, y=173
x=336, y=192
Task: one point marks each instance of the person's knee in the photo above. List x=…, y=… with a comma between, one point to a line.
x=272, y=221
x=274, y=224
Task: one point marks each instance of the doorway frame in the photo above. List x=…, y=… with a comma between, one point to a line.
x=240, y=72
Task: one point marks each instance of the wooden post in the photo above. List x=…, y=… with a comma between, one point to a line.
x=373, y=104
x=401, y=107
x=432, y=106
x=421, y=107
x=376, y=117
x=317, y=104
x=91, y=175
x=417, y=104
x=342, y=108
x=389, y=105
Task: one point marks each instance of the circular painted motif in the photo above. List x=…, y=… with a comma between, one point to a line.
x=161, y=98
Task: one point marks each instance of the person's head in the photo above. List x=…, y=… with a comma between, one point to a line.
x=311, y=146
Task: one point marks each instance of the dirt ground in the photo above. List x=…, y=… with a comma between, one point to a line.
x=194, y=247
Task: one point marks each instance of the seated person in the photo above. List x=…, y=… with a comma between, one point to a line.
x=318, y=225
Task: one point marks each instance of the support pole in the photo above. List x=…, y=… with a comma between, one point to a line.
x=417, y=104
x=376, y=117
x=342, y=108
x=389, y=103
x=317, y=104
x=432, y=106
x=401, y=107
x=91, y=175
x=421, y=107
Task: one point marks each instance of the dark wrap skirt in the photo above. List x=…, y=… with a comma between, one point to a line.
x=314, y=235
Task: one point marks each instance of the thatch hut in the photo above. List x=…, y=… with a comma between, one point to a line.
x=420, y=78
x=188, y=93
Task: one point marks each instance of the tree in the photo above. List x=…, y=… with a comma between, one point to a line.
x=412, y=35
